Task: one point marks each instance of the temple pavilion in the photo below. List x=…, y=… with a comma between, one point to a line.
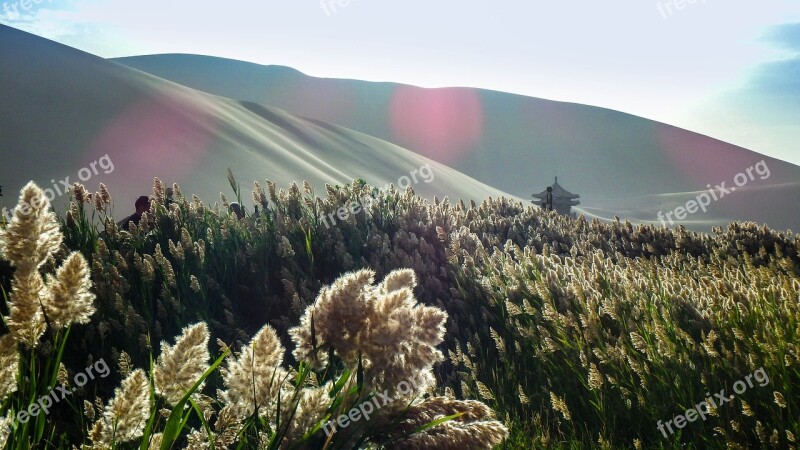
x=556, y=198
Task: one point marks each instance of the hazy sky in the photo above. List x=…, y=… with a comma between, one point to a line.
x=729, y=69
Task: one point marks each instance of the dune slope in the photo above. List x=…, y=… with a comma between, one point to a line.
x=67, y=116
x=620, y=164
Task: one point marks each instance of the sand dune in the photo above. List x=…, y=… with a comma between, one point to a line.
x=619, y=163
x=70, y=116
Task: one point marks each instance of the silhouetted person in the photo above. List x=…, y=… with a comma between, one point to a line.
x=142, y=205
x=547, y=204
x=236, y=208
x=169, y=198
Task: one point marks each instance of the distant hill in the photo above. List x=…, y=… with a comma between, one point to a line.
x=63, y=110
x=620, y=164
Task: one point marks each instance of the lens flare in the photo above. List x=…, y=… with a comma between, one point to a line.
x=442, y=124
x=164, y=137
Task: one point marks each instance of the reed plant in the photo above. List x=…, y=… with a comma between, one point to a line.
x=259, y=402
x=578, y=334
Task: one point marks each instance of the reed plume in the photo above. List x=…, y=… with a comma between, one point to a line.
x=474, y=428
x=33, y=234
x=9, y=366
x=180, y=366
x=395, y=337
x=27, y=242
x=125, y=416
x=26, y=319
x=254, y=378
x=70, y=299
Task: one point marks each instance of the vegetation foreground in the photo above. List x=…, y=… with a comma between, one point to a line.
x=566, y=333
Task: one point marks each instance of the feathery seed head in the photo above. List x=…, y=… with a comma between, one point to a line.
x=255, y=376
x=33, y=234
x=180, y=366
x=70, y=299
x=9, y=365
x=26, y=320
x=126, y=414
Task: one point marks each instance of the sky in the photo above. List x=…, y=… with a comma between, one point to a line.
x=728, y=69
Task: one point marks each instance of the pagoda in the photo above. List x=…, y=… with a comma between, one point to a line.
x=556, y=198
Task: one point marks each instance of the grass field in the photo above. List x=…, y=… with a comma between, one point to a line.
x=220, y=332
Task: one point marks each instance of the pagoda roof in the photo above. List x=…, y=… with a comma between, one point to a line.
x=558, y=192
